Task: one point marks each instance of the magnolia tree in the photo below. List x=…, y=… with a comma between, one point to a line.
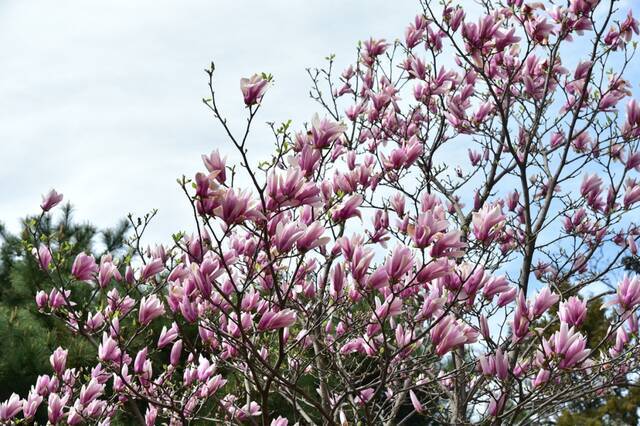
x=424, y=249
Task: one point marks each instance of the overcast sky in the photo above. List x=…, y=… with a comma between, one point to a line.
x=103, y=101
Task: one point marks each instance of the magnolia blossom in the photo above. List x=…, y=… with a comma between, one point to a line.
x=50, y=200
x=573, y=311
x=274, y=320
x=58, y=360
x=152, y=268
x=415, y=402
x=253, y=89
x=44, y=256
x=84, y=267
x=487, y=222
x=216, y=165
x=108, y=349
x=568, y=344
x=10, y=408
x=496, y=365
x=31, y=404
x=449, y=334
x=150, y=308
x=544, y=300
x=628, y=293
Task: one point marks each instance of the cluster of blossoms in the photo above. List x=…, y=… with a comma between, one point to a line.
x=366, y=272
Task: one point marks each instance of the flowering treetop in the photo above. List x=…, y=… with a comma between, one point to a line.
x=363, y=275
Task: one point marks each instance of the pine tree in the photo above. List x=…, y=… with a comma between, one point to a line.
x=28, y=337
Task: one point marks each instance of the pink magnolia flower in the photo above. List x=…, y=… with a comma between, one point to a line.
x=573, y=311
x=484, y=327
x=108, y=350
x=150, y=309
x=541, y=378
x=628, y=293
x=312, y=237
x=251, y=409
x=487, y=222
x=348, y=209
x=400, y=263
x=216, y=165
x=631, y=195
x=119, y=304
x=291, y=190
x=107, y=271
x=84, y=267
x=495, y=365
x=378, y=279
x=337, y=281
x=236, y=207
x=591, y=189
x=308, y=159
x=631, y=126
x=56, y=405
x=271, y=320
x=428, y=225
x=215, y=383
x=448, y=245
x=520, y=322
x=364, y=396
x=57, y=299
x=544, y=300
x=280, y=421
x=630, y=26
x=495, y=285
x=557, y=139
x=168, y=336
x=44, y=257
x=58, y=360
x=10, y=408
x=253, y=89
x=50, y=200
x=507, y=297
x=539, y=28
x=141, y=358
x=415, y=32
x=188, y=309
x=397, y=202
x=622, y=338
x=404, y=156
x=372, y=49
x=415, y=402
x=581, y=6
x=325, y=132
x=286, y=235
x=150, y=415
x=448, y=334
x=45, y=385
x=496, y=404
x=91, y=391
x=176, y=350
x=610, y=100
x=568, y=344
x=31, y=404
x=151, y=269
x=404, y=338
x=94, y=321
x=391, y=307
